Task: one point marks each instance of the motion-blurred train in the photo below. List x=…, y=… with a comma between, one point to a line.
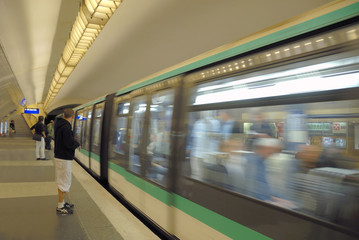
x=260, y=141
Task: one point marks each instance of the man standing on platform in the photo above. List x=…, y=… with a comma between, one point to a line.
x=50, y=134
x=65, y=145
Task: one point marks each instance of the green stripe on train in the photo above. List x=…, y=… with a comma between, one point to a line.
x=310, y=25
x=156, y=192
x=85, y=152
x=214, y=220
x=95, y=157
x=90, y=103
x=222, y=224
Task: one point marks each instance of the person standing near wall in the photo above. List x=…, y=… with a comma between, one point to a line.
x=40, y=144
x=65, y=145
x=12, y=127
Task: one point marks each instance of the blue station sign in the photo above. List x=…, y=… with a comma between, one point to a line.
x=31, y=110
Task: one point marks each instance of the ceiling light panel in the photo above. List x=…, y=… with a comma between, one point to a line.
x=92, y=17
x=102, y=9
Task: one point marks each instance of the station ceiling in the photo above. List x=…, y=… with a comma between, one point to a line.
x=141, y=39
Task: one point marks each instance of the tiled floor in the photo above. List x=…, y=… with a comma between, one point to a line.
x=28, y=198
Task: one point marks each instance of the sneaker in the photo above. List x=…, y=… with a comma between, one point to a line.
x=64, y=211
x=44, y=159
x=68, y=205
x=38, y=158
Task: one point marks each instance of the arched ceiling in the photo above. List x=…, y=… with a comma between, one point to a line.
x=141, y=38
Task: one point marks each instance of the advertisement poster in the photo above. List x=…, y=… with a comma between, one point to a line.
x=339, y=127
x=356, y=137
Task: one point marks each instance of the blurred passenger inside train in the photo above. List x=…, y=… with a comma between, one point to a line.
x=323, y=188
x=307, y=156
x=156, y=158
x=235, y=163
x=224, y=167
x=280, y=168
x=332, y=156
x=204, y=139
x=158, y=147
x=228, y=125
x=260, y=128
x=256, y=172
x=120, y=140
x=160, y=139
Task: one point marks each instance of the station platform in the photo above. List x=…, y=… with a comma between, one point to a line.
x=28, y=200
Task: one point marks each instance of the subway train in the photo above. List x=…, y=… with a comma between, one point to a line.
x=260, y=141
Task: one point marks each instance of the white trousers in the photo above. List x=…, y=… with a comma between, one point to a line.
x=40, y=148
x=63, y=174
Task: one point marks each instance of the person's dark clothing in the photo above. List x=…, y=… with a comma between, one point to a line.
x=258, y=128
x=48, y=143
x=39, y=128
x=327, y=159
x=264, y=128
x=65, y=143
x=12, y=126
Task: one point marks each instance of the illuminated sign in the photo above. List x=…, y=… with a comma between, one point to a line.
x=31, y=110
x=23, y=102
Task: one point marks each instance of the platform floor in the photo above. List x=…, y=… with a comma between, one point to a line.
x=28, y=200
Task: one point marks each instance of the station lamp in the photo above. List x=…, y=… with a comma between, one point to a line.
x=90, y=20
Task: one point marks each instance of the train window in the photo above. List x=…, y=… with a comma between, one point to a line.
x=78, y=124
x=98, y=110
x=209, y=131
x=119, y=133
x=96, y=128
x=123, y=108
x=83, y=128
x=158, y=148
x=121, y=128
x=303, y=157
x=86, y=132
x=136, y=133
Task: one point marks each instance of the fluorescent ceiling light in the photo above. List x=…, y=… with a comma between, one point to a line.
x=297, y=71
x=294, y=86
x=92, y=17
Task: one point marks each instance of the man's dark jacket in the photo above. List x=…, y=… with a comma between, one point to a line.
x=65, y=143
x=39, y=128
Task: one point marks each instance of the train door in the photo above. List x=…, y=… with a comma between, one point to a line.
x=157, y=156
x=137, y=131
x=96, y=138
x=127, y=137
x=84, y=125
x=118, y=143
x=158, y=139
